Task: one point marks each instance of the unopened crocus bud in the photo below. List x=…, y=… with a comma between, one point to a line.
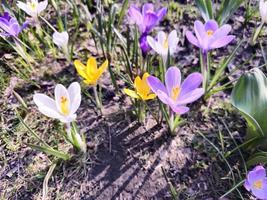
x=62, y=40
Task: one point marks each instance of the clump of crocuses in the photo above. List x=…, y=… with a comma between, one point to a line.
x=256, y=182
x=146, y=19
x=176, y=94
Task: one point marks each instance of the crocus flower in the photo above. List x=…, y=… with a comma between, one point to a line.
x=33, y=7
x=9, y=26
x=90, y=72
x=263, y=10
x=256, y=182
x=147, y=18
x=66, y=103
x=61, y=40
x=142, y=90
x=175, y=94
x=164, y=44
x=209, y=36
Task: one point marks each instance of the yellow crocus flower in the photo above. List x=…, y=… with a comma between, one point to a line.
x=90, y=72
x=142, y=90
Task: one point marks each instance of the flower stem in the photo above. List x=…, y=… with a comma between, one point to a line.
x=141, y=112
x=98, y=101
x=171, y=123
x=205, y=68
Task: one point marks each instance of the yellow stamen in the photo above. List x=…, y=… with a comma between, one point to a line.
x=258, y=184
x=64, y=105
x=166, y=43
x=175, y=93
x=32, y=5
x=210, y=32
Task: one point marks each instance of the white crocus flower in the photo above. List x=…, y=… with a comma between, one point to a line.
x=66, y=103
x=164, y=44
x=33, y=7
x=62, y=40
x=263, y=10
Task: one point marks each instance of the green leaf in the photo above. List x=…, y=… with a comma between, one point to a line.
x=205, y=8
x=222, y=67
x=257, y=158
x=50, y=151
x=249, y=96
x=227, y=9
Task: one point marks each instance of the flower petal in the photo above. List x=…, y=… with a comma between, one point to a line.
x=180, y=109
x=103, y=67
x=173, y=41
x=74, y=91
x=91, y=67
x=136, y=17
x=46, y=105
x=155, y=84
x=172, y=79
x=41, y=6
x=247, y=185
x=257, y=173
x=164, y=97
x=153, y=44
x=161, y=13
x=199, y=31
x=261, y=193
x=192, y=82
x=161, y=37
x=221, y=42
x=131, y=93
x=150, y=20
x=68, y=119
x=192, y=39
x=211, y=25
x=222, y=31
x=81, y=69
x=190, y=97
x=61, y=91
x=147, y=7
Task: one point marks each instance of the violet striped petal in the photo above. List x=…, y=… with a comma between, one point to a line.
x=161, y=13
x=172, y=79
x=150, y=20
x=192, y=82
x=211, y=25
x=147, y=7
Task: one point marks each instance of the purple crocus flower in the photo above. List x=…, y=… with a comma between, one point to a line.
x=209, y=36
x=177, y=94
x=256, y=182
x=147, y=18
x=9, y=26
